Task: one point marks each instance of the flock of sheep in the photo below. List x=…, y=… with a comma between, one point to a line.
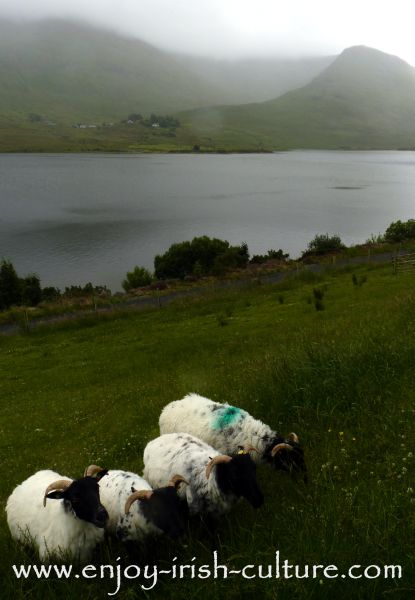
x=203, y=462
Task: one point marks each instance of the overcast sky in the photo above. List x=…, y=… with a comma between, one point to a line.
x=234, y=28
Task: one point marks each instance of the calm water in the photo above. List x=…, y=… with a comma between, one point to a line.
x=79, y=218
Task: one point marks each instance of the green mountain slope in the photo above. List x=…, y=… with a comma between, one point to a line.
x=66, y=72
x=364, y=99
x=72, y=72
x=255, y=79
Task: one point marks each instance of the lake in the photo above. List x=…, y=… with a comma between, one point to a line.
x=76, y=218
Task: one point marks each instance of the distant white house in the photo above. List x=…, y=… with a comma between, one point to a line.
x=84, y=126
x=155, y=124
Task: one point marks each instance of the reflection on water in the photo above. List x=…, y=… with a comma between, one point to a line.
x=79, y=218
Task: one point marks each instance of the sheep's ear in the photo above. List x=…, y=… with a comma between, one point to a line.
x=101, y=474
x=56, y=495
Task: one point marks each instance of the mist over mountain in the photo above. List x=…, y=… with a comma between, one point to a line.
x=255, y=79
x=68, y=72
x=72, y=71
x=364, y=99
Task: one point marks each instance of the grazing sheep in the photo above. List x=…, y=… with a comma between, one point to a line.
x=136, y=511
x=57, y=514
x=226, y=428
x=215, y=481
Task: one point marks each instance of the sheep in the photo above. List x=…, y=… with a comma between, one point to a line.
x=136, y=511
x=58, y=515
x=216, y=481
x=226, y=428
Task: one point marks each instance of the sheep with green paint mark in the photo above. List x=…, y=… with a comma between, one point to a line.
x=226, y=428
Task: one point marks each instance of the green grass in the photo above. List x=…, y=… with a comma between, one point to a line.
x=343, y=378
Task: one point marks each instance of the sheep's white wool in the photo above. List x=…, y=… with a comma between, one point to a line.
x=53, y=528
x=182, y=453
x=222, y=426
x=115, y=488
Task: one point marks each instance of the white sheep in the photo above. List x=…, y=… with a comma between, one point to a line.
x=58, y=515
x=216, y=481
x=136, y=511
x=227, y=428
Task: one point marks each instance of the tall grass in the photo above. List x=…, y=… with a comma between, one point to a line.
x=343, y=379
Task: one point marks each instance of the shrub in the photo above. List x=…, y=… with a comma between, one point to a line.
x=201, y=256
x=50, y=294
x=318, y=304
x=31, y=290
x=270, y=255
x=10, y=285
x=78, y=291
x=318, y=293
x=138, y=277
x=324, y=244
x=399, y=231
x=358, y=281
x=374, y=240
x=135, y=117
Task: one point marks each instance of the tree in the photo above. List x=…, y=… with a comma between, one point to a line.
x=399, y=231
x=34, y=118
x=138, y=277
x=10, y=285
x=31, y=290
x=135, y=117
x=50, y=294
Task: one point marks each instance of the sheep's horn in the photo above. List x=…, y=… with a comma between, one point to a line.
x=60, y=484
x=293, y=437
x=92, y=470
x=140, y=495
x=176, y=480
x=221, y=458
x=249, y=448
x=276, y=449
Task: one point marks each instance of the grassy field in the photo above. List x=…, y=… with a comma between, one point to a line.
x=343, y=378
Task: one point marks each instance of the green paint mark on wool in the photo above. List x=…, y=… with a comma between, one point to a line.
x=226, y=416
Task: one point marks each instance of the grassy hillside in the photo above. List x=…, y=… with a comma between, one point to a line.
x=68, y=72
x=255, y=79
x=342, y=378
x=364, y=99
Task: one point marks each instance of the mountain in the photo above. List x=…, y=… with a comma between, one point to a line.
x=54, y=74
x=70, y=71
x=255, y=79
x=364, y=99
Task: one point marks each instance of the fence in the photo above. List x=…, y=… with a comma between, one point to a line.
x=404, y=263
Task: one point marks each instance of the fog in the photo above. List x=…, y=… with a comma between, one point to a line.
x=241, y=28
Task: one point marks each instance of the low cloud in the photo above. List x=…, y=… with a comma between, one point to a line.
x=234, y=28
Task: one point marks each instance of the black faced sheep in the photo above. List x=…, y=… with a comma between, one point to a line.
x=216, y=481
x=60, y=516
x=226, y=428
x=136, y=511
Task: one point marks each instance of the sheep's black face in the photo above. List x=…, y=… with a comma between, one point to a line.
x=82, y=497
x=238, y=477
x=291, y=461
x=166, y=511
